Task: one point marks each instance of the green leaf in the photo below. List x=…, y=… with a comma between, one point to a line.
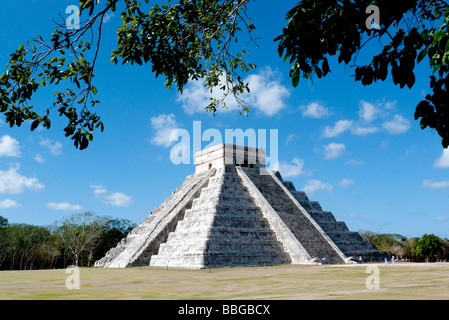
x=318, y=72
x=410, y=80
x=295, y=76
x=421, y=55
x=325, y=67
x=422, y=109
x=35, y=124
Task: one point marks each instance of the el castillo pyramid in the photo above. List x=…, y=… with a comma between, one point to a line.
x=234, y=212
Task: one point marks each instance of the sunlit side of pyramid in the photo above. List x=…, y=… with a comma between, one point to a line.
x=234, y=212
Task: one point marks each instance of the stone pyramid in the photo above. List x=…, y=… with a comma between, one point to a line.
x=234, y=212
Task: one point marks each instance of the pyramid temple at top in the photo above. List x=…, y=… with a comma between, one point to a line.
x=234, y=212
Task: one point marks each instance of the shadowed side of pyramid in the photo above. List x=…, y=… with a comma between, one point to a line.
x=350, y=242
x=306, y=230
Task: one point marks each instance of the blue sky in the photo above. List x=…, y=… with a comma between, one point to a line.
x=356, y=150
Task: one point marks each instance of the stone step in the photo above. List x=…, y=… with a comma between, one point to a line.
x=221, y=234
x=339, y=236
x=198, y=261
x=236, y=247
x=322, y=216
x=333, y=226
x=223, y=200
x=300, y=196
x=225, y=221
x=226, y=213
x=310, y=205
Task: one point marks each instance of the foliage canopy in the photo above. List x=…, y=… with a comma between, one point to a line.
x=197, y=39
x=409, y=32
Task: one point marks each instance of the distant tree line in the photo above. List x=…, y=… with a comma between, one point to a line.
x=80, y=240
x=428, y=248
x=83, y=238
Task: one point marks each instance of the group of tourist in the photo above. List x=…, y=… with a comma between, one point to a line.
x=393, y=260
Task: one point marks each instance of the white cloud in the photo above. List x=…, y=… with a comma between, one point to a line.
x=315, y=185
x=389, y=105
x=333, y=150
x=107, y=17
x=290, y=137
x=346, y=182
x=9, y=204
x=435, y=184
x=383, y=144
x=54, y=146
x=342, y=126
x=266, y=94
x=39, y=158
x=9, y=147
x=64, y=206
x=355, y=162
x=368, y=111
x=363, y=131
x=98, y=189
x=195, y=97
x=443, y=161
x=370, y=120
x=339, y=127
x=290, y=170
x=398, y=125
x=314, y=110
x=164, y=125
x=12, y=182
x=118, y=199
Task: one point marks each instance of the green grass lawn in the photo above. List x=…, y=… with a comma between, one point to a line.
x=401, y=281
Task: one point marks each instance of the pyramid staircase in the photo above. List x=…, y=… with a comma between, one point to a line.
x=144, y=240
x=222, y=228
